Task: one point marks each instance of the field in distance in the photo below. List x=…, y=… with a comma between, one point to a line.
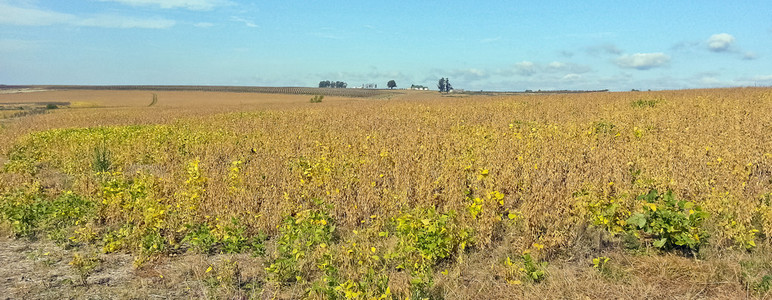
x=180, y=193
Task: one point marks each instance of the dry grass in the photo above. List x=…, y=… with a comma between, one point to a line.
x=375, y=160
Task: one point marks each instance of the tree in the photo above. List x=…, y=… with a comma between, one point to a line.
x=444, y=85
x=392, y=84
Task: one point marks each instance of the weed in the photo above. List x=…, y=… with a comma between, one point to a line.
x=84, y=265
x=316, y=99
x=763, y=285
x=602, y=265
x=605, y=128
x=533, y=270
x=643, y=103
x=670, y=222
x=101, y=158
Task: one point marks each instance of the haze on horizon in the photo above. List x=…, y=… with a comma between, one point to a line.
x=489, y=45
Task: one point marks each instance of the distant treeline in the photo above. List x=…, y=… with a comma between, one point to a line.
x=332, y=84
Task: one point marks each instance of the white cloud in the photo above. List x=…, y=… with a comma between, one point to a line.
x=246, y=22
x=711, y=81
x=720, y=42
x=750, y=55
x=571, y=77
x=642, y=61
x=529, y=68
x=605, y=49
x=558, y=67
x=468, y=75
x=203, y=24
x=110, y=21
x=23, y=16
x=525, y=68
x=763, y=78
x=12, y=15
x=169, y=4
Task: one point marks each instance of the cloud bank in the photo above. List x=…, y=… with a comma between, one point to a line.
x=642, y=61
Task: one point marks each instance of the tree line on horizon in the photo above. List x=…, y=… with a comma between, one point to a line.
x=443, y=85
x=332, y=84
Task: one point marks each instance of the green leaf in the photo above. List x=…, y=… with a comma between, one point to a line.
x=650, y=197
x=637, y=220
x=660, y=243
x=668, y=197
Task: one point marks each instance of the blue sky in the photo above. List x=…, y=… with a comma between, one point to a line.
x=478, y=45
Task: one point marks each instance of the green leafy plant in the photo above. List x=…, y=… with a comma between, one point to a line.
x=601, y=264
x=604, y=127
x=200, y=238
x=603, y=211
x=424, y=238
x=300, y=234
x=763, y=285
x=316, y=99
x=533, y=270
x=430, y=235
x=232, y=238
x=24, y=212
x=30, y=214
x=152, y=243
x=643, y=103
x=671, y=223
